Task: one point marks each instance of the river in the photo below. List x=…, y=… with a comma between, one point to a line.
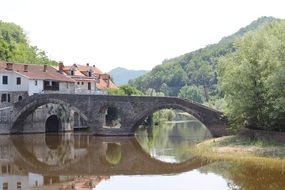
x=158, y=157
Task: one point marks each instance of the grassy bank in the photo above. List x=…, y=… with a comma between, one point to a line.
x=233, y=148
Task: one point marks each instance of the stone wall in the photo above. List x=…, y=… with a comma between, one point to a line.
x=5, y=120
x=14, y=97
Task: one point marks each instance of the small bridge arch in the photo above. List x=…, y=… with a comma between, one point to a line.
x=24, y=108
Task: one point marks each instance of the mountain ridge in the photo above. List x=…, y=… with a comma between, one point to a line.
x=122, y=75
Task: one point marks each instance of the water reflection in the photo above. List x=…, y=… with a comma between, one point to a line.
x=80, y=161
x=170, y=140
x=248, y=176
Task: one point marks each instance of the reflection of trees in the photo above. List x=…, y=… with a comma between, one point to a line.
x=173, y=139
x=248, y=177
x=113, y=153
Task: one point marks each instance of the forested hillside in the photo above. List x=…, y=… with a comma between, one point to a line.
x=193, y=74
x=15, y=47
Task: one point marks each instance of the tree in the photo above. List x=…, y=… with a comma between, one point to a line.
x=125, y=90
x=15, y=48
x=191, y=93
x=253, y=79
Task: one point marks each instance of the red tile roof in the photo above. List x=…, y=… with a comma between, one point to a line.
x=37, y=72
x=80, y=75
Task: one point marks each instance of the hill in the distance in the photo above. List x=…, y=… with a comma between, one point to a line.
x=197, y=68
x=122, y=76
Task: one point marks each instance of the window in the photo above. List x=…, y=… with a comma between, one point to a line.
x=20, y=98
x=71, y=72
x=19, y=185
x=9, y=99
x=89, y=85
x=78, y=83
x=18, y=80
x=3, y=97
x=89, y=74
x=5, y=186
x=4, y=79
x=82, y=83
x=46, y=83
x=36, y=83
x=4, y=169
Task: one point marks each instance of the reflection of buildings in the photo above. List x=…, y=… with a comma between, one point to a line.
x=53, y=151
x=42, y=161
x=67, y=183
x=11, y=177
x=10, y=180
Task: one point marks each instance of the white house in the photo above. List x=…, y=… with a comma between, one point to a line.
x=89, y=79
x=20, y=80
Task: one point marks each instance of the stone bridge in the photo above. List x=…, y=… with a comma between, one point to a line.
x=132, y=111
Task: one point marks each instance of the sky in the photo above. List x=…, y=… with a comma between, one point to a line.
x=135, y=34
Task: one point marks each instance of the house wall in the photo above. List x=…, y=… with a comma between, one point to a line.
x=12, y=82
x=83, y=88
x=67, y=87
x=35, y=88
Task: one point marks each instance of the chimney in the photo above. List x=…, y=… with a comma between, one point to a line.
x=45, y=68
x=25, y=68
x=87, y=64
x=108, y=82
x=93, y=65
x=9, y=66
x=60, y=67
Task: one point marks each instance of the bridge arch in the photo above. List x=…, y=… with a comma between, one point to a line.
x=147, y=112
x=31, y=106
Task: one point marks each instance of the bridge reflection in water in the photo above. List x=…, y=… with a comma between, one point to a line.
x=44, y=159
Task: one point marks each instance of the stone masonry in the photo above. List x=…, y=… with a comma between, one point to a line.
x=132, y=109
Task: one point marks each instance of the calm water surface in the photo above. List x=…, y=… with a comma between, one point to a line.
x=157, y=158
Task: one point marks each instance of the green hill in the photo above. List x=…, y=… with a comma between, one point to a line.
x=197, y=68
x=15, y=47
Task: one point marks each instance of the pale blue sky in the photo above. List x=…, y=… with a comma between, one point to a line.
x=136, y=34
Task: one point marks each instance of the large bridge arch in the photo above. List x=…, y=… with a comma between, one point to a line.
x=212, y=119
x=29, y=105
x=141, y=117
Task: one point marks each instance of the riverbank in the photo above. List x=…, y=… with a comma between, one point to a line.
x=237, y=149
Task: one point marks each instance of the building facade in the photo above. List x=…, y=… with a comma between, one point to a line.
x=20, y=80
x=89, y=79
